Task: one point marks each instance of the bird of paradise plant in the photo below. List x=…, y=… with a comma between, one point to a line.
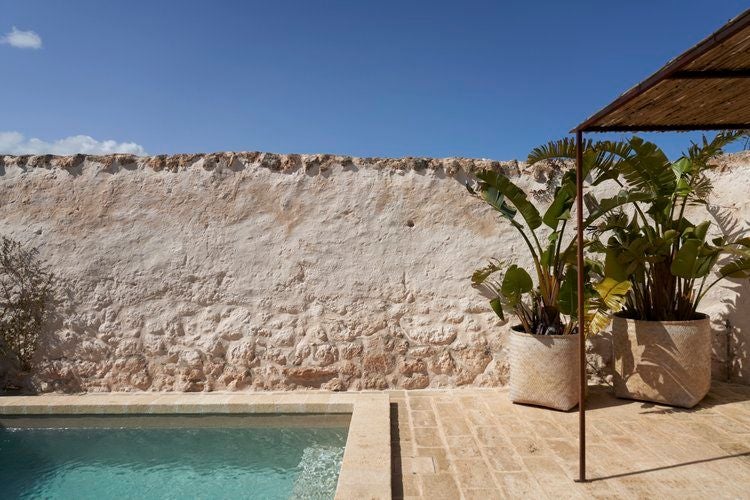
x=667, y=258
x=549, y=306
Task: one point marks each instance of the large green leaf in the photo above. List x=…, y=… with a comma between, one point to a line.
x=739, y=268
x=682, y=225
x=698, y=232
x=631, y=255
x=497, y=306
x=683, y=187
x=685, y=262
x=706, y=260
x=648, y=168
x=568, y=296
x=548, y=256
x=515, y=283
x=607, y=205
x=560, y=207
x=497, y=201
x=513, y=194
x=682, y=169
x=660, y=209
x=613, y=268
x=694, y=259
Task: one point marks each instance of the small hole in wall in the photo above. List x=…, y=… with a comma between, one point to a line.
x=409, y=223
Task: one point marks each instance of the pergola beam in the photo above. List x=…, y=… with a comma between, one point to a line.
x=710, y=74
x=668, y=128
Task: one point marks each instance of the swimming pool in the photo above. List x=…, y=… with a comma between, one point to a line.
x=365, y=470
x=176, y=456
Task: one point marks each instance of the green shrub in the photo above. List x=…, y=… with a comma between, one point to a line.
x=25, y=294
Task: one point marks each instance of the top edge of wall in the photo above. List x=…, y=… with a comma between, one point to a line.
x=287, y=162
x=244, y=159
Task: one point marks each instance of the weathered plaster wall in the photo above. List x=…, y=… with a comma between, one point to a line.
x=263, y=271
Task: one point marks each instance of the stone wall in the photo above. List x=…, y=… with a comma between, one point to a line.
x=263, y=271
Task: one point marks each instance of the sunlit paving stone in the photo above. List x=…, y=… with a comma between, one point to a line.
x=651, y=452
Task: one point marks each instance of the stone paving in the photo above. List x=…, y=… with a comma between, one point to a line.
x=474, y=443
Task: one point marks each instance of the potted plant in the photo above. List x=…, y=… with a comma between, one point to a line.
x=661, y=340
x=543, y=346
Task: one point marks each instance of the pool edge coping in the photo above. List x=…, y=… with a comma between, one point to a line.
x=366, y=466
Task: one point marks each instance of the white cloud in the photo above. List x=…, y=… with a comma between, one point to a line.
x=22, y=39
x=14, y=143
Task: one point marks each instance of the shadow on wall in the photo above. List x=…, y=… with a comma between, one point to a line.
x=736, y=342
x=732, y=343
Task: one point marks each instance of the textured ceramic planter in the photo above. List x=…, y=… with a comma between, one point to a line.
x=662, y=361
x=544, y=370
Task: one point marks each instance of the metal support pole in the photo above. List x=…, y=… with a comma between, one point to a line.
x=581, y=318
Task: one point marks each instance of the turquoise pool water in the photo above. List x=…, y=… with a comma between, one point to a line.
x=171, y=459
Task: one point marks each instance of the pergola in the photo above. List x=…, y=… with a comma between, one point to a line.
x=705, y=88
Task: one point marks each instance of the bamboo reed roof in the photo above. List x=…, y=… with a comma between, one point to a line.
x=705, y=88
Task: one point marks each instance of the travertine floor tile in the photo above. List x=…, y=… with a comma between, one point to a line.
x=439, y=486
x=427, y=437
x=455, y=427
x=424, y=418
x=439, y=457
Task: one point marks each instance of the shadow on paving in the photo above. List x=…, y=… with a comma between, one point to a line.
x=397, y=482
x=667, y=467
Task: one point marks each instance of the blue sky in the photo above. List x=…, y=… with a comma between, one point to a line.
x=485, y=79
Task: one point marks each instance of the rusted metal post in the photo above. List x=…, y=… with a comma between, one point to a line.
x=581, y=318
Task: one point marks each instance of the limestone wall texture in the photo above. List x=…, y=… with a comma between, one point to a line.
x=258, y=271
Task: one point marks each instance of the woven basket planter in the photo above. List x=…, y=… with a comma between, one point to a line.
x=544, y=370
x=662, y=361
